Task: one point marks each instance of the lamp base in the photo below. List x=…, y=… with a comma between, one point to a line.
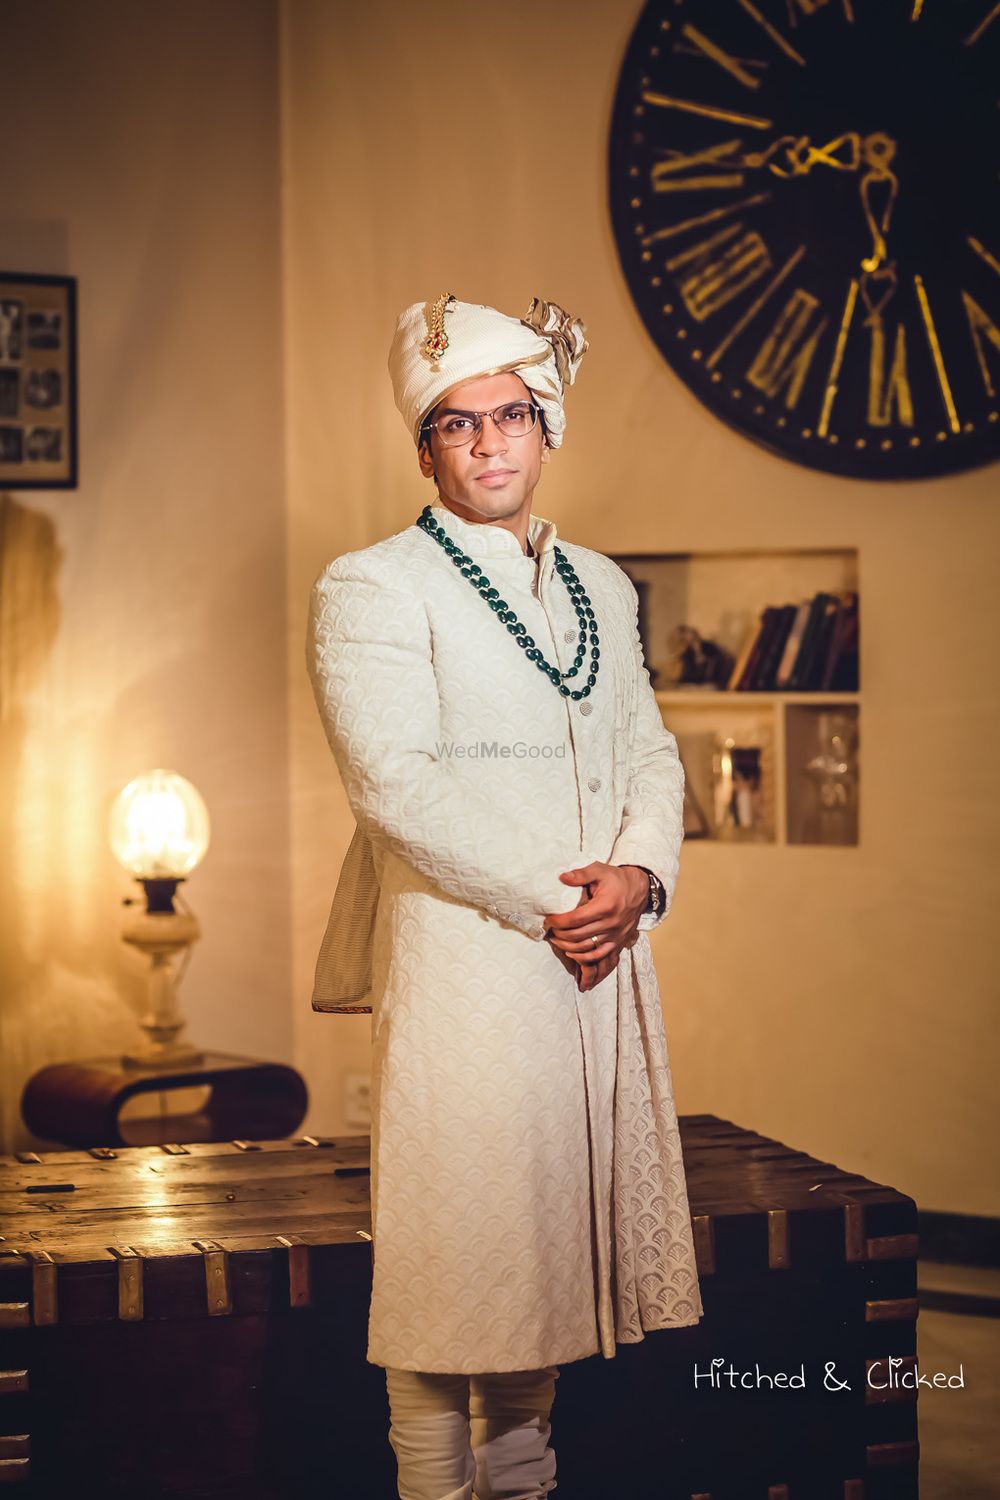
x=160, y=935
x=163, y=1055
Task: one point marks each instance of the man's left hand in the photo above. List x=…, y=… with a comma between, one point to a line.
x=618, y=897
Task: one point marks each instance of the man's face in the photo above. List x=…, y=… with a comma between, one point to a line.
x=493, y=477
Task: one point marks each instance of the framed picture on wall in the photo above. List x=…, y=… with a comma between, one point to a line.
x=37, y=382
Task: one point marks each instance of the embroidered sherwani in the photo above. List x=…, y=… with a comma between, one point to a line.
x=529, y=1203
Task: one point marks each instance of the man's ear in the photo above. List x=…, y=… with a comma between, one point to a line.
x=425, y=461
x=546, y=451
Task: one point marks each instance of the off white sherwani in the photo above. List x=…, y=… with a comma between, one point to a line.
x=529, y=1203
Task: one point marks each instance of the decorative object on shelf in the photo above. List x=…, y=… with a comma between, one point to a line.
x=694, y=662
x=803, y=199
x=159, y=832
x=739, y=801
x=832, y=817
x=89, y=1102
x=38, y=444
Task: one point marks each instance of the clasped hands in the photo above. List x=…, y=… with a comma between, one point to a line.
x=611, y=902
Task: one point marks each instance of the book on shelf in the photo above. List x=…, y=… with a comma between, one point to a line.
x=805, y=647
x=804, y=666
x=792, y=645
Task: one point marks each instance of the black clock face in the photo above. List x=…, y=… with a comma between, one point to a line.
x=806, y=200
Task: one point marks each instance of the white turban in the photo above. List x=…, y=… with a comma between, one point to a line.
x=438, y=345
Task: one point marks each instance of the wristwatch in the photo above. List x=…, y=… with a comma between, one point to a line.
x=655, y=901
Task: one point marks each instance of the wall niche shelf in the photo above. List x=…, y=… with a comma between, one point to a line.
x=763, y=765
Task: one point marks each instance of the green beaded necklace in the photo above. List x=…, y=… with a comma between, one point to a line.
x=581, y=603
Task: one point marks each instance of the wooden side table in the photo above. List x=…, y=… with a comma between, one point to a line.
x=79, y=1103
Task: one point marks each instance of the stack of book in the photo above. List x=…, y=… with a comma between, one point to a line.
x=804, y=647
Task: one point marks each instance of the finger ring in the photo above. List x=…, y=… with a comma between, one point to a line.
x=595, y=941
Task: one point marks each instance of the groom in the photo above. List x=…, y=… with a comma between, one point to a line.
x=525, y=1152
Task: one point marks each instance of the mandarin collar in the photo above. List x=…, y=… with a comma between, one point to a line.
x=479, y=539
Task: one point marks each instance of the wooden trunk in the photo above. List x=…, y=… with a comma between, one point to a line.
x=192, y=1321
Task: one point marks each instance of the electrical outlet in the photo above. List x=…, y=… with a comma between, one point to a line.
x=358, y=1100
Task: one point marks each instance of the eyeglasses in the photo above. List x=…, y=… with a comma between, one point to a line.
x=455, y=429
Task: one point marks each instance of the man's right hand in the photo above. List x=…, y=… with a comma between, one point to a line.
x=586, y=975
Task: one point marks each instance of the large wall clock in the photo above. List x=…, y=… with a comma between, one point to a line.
x=806, y=200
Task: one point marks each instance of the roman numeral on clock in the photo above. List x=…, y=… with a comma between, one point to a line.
x=667, y=176
x=888, y=391
x=732, y=65
x=711, y=276
x=981, y=327
x=782, y=362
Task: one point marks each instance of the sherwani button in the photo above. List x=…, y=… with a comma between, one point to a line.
x=594, y=783
x=586, y=708
x=569, y=635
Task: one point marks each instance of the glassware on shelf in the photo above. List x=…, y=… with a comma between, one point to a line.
x=742, y=804
x=831, y=813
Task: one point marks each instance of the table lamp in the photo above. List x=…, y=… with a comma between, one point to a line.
x=159, y=832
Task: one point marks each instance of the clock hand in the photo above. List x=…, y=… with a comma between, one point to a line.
x=878, y=149
x=800, y=155
x=875, y=151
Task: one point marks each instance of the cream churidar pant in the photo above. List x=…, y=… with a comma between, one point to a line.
x=472, y=1437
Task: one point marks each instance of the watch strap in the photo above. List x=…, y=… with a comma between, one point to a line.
x=654, y=902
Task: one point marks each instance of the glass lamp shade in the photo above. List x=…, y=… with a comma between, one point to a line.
x=159, y=826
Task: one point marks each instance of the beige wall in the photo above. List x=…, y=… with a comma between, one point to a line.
x=144, y=613
x=841, y=1000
